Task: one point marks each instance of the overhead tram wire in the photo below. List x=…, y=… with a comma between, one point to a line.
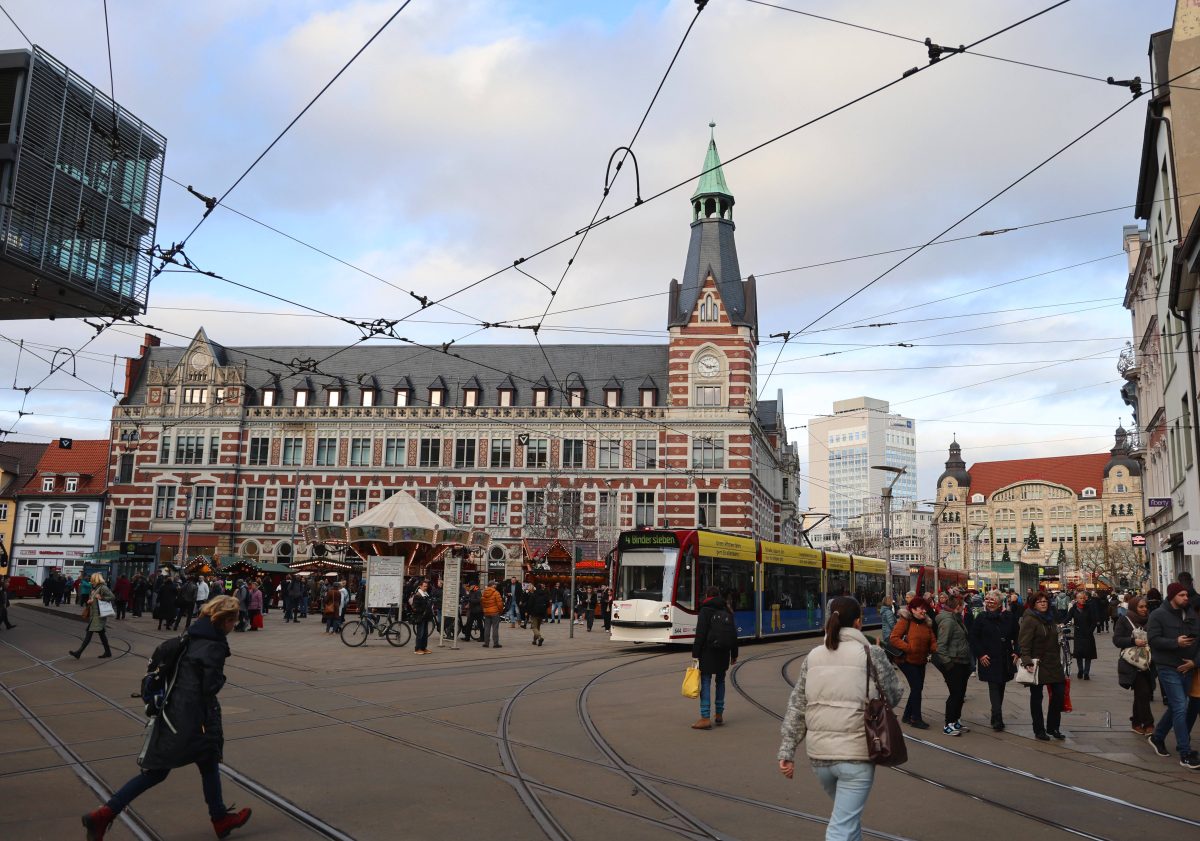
x=213, y=203
x=753, y=149
x=1027, y=174
x=628, y=150
x=16, y=25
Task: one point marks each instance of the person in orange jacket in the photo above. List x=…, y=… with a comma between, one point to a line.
x=493, y=606
x=914, y=635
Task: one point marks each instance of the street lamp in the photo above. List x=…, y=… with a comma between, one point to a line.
x=938, y=509
x=887, y=520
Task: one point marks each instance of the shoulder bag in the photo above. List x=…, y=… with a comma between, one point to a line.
x=106, y=608
x=1137, y=656
x=1027, y=677
x=885, y=740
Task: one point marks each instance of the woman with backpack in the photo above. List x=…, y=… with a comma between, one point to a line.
x=195, y=733
x=98, y=593
x=826, y=710
x=715, y=648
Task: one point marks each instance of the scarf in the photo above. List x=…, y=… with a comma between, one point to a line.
x=1136, y=619
x=1047, y=617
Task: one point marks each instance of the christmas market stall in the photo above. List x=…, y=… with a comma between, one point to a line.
x=549, y=560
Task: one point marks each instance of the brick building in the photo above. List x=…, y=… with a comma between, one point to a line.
x=247, y=446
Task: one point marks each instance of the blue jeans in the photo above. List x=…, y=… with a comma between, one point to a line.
x=706, y=693
x=210, y=779
x=915, y=675
x=422, y=631
x=847, y=784
x=1181, y=710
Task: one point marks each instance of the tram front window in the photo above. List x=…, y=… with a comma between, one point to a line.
x=643, y=572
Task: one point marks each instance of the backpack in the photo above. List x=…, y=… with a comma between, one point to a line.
x=161, y=672
x=722, y=634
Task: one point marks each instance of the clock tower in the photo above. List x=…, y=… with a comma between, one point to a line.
x=713, y=313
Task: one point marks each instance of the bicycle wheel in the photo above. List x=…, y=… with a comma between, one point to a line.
x=398, y=634
x=355, y=633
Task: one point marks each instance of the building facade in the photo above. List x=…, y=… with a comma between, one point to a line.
x=60, y=509
x=1164, y=262
x=911, y=530
x=18, y=461
x=242, y=448
x=1079, y=513
x=842, y=449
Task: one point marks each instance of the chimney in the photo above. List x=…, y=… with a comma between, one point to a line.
x=133, y=367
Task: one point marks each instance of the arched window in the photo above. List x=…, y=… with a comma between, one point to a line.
x=1089, y=493
x=976, y=498
x=708, y=308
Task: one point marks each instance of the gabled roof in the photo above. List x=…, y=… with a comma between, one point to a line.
x=613, y=384
x=18, y=460
x=1075, y=472
x=370, y=383
x=648, y=384
x=472, y=384
x=86, y=459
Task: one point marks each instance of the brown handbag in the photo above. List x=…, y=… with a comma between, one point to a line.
x=86, y=613
x=885, y=739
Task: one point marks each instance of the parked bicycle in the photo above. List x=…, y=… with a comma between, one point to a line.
x=387, y=625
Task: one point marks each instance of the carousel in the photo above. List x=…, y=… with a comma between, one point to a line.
x=400, y=527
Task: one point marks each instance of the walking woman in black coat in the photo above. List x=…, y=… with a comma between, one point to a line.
x=189, y=729
x=993, y=638
x=164, y=606
x=1083, y=617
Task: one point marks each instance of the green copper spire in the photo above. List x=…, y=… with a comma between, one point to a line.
x=713, y=179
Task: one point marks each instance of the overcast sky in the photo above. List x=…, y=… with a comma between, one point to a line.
x=474, y=133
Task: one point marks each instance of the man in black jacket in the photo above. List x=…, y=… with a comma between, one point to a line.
x=536, y=605
x=1173, y=631
x=715, y=648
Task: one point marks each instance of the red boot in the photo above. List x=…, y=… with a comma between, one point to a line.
x=230, y=822
x=97, y=823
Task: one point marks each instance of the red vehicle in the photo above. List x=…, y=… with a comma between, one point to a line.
x=20, y=587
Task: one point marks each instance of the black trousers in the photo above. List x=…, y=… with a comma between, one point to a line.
x=87, y=638
x=1058, y=693
x=956, y=675
x=1143, y=691
x=996, y=696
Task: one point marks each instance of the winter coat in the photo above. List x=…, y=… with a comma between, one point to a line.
x=826, y=706
x=915, y=639
x=192, y=707
x=164, y=608
x=1123, y=638
x=256, y=600
x=1164, y=627
x=994, y=633
x=952, y=645
x=887, y=616
x=1038, y=640
x=123, y=589
x=713, y=661
x=96, y=622
x=538, y=603
x=422, y=607
x=1084, y=642
x=492, y=601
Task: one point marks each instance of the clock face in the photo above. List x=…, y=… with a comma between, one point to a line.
x=708, y=366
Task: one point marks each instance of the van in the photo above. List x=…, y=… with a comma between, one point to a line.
x=21, y=587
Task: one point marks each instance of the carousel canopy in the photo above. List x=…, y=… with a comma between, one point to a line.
x=401, y=519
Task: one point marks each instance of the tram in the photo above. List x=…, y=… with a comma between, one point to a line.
x=774, y=589
x=920, y=579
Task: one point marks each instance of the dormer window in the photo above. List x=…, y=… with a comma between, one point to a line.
x=506, y=397
x=976, y=498
x=541, y=396
x=72, y=484
x=436, y=396
x=1089, y=493
x=647, y=395
x=335, y=397
x=47, y=484
x=402, y=397
x=612, y=398
x=708, y=308
x=576, y=397
x=470, y=397
x=368, y=397
x=301, y=397
x=268, y=397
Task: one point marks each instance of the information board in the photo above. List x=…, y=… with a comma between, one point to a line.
x=450, y=578
x=385, y=581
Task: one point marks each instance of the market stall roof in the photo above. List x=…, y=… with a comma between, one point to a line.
x=230, y=561
x=557, y=549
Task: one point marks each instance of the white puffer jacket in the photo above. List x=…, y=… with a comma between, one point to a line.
x=826, y=706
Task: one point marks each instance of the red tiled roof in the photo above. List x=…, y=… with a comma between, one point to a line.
x=86, y=459
x=1076, y=472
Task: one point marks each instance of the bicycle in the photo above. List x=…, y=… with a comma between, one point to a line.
x=389, y=626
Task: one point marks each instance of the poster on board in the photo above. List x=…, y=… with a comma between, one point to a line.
x=452, y=572
x=385, y=581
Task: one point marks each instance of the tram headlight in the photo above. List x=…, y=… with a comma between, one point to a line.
x=666, y=611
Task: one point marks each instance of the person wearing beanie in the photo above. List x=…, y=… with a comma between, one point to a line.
x=1173, y=631
x=915, y=636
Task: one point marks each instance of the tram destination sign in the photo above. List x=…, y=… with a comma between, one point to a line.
x=648, y=540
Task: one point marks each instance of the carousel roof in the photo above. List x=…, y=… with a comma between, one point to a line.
x=401, y=510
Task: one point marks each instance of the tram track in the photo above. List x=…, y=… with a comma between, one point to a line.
x=990, y=764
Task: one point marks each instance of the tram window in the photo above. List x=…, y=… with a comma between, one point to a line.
x=642, y=574
x=791, y=587
x=868, y=589
x=685, y=587
x=735, y=580
x=837, y=583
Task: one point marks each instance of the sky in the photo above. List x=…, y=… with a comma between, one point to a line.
x=475, y=133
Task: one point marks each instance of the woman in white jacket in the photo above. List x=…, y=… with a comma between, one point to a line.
x=826, y=709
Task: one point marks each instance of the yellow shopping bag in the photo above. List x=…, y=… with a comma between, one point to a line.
x=691, y=681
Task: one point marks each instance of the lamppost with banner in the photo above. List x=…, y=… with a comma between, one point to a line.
x=886, y=493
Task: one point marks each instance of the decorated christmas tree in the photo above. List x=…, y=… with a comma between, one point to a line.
x=1031, y=542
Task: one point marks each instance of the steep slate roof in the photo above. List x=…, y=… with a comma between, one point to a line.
x=594, y=364
x=86, y=459
x=18, y=460
x=1076, y=472
x=768, y=414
